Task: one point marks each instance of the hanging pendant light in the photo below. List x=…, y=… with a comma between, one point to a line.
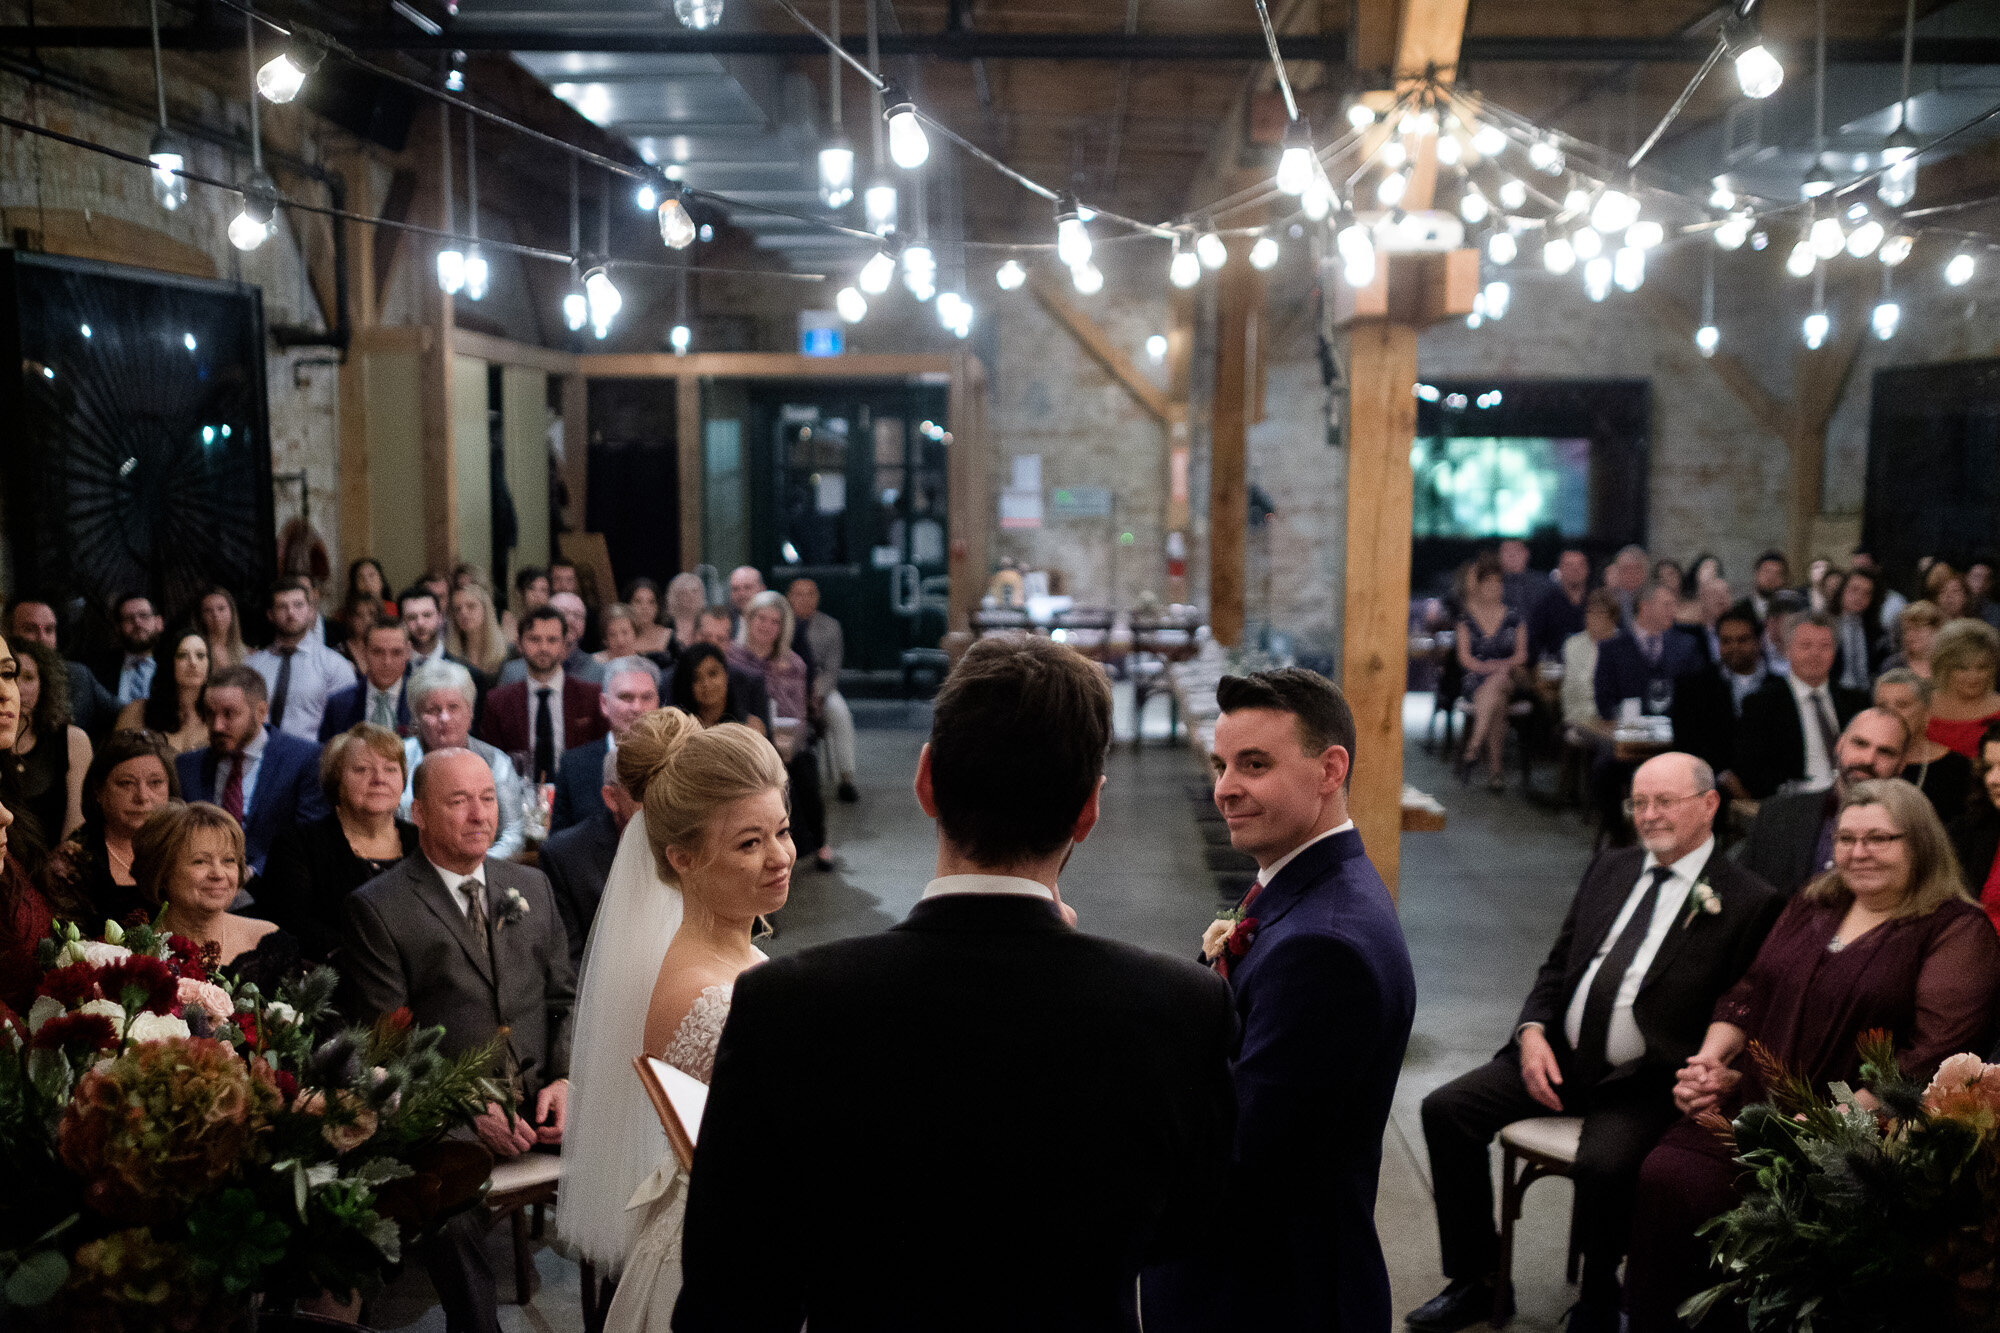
x=909, y=146
x=677, y=226
x=1211, y=251
x=1628, y=268
x=165, y=153
x=1472, y=205
x=1501, y=248
x=851, y=304
x=450, y=259
x=1898, y=185
x=575, y=305
x=1072, y=237
x=281, y=77
x=1087, y=279
x=1513, y=193
x=1009, y=276
x=698, y=14
x=1184, y=271
x=1296, y=164
x=1264, y=254
x=877, y=273
x=603, y=299
x=476, y=272
x=836, y=173
x=878, y=207
x=252, y=225
x=1558, y=255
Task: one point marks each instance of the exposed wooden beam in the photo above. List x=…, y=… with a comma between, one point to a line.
x=1764, y=408
x=688, y=459
x=1228, y=478
x=1090, y=336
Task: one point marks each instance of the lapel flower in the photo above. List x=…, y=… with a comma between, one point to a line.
x=1702, y=901
x=1227, y=937
x=512, y=906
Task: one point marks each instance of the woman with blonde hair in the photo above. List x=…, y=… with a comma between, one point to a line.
x=222, y=626
x=1916, y=631
x=685, y=598
x=189, y=863
x=1963, y=664
x=474, y=632
x=708, y=851
x=765, y=646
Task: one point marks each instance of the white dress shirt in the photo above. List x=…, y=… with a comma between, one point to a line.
x=554, y=684
x=1270, y=872
x=1579, y=691
x=1623, y=1042
x=317, y=671
x=252, y=760
x=456, y=883
x=1819, y=764
x=436, y=654
x=1004, y=886
x=135, y=677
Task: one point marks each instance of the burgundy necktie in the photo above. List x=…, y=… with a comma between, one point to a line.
x=232, y=790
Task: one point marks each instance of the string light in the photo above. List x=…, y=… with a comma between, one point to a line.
x=1732, y=231
x=1865, y=239
x=1588, y=242
x=1156, y=348
x=920, y=270
x=698, y=14
x=1545, y=157
x=1393, y=154
x=1009, y=276
x=1815, y=328
x=876, y=274
x=252, y=225
x=1448, y=153
x=1357, y=253
x=282, y=76
x=878, y=207
x=1614, y=211
x=1490, y=140
x=1896, y=249
x=575, y=305
x=1497, y=295
x=1959, y=269
x=1758, y=72
x=1818, y=181
x=1898, y=185
x=1317, y=201
x=1597, y=278
x=1706, y=338
x=1513, y=193
x=1577, y=200
x=477, y=273
x=1211, y=251
x=169, y=187
x=679, y=337
x=1721, y=198
x=1359, y=115
x=603, y=300
x=1184, y=271
x=1887, y=314
x=1296, y=164
x=1558, y=255
x=1628, y=268
x=1087, y=279
x=909, y=146
x=1072, y=237
x=1801, y=261
x=646, y=197
x=1645, y=234
x=836, y=173
x=1264, y=254
x=1827, y=238
x=1390, y=192
x=677, y=227
x=1472, y=205
x=1501, y=248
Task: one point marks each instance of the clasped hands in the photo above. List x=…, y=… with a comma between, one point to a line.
x=510, y=1137
x=1701, y=1082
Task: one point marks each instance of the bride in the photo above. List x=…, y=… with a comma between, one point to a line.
x=709, y=851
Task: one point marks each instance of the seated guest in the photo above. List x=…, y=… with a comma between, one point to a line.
x=1933, y=768
x=642, y=595
x=548, y=709
x=423, y=624
x=1975, y=833
x=1521, y=587
x=268, y=780
x=1770, y=576
x=1559, y=612
x=686, y=598
x=442, y=696
x=768, y=630
x=1624, y=577
x=1708, y=704
x=1622, y=1000
x=91, y=706
x=705, y=689
x=51, y=753
x=351, y=625
x=27, y=912
x=621, y=634
x=222, y=629
x=173, y=706
x=1579, y=692
x=531, y=589
x=631, y=690
x=1791, y=840
x=1946, y=586
x=1888, y=939
x=829, y=707
x=367, y=582
x=312, y=868
x=1962, y=666
x=1645, y=659
x=1916, y=635
x=1857, y=630
x=1700, y=617
x=131, y=775
x=189, y=862
x=571, y=614
x=474, y=635
x=1492, y=644
x=128, y=673
x=1791, y=605
x=578, y=859
x=300, y=672
x=1789, y=723
x=746, y=686
x=379, y=698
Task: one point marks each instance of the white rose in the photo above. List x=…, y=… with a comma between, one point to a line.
x=158, y=1027
x=44, y=1008
x=110, y=1009
x=99, y=954
x=280, y=1012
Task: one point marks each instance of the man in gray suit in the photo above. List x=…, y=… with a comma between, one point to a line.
x=477, y=947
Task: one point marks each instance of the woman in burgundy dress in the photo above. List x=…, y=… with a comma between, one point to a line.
x=1887, y=939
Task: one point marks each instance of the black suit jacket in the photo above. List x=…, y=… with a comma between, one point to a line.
x=1771, y=737
x=1782, y=847
x=91, y=706
x=310, y=872
x=1702, y=956
x=577, y=861
x=1034, y=1114
x=1704, y=717
x=580, y=784
x=1623, y=671
x=1975, y=836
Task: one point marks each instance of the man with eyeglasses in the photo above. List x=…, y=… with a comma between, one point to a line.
x=1655, y=935
x=1791, y=840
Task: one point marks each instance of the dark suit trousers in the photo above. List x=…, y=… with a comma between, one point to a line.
x=1621, y=1123
x=462, y=1273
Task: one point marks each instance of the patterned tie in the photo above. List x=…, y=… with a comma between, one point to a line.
x=1829, y=733
x=545, y=735
x=1593, y=1034
x=385, y=710
x=232, y=790
x=281, y=692
x=475, y=897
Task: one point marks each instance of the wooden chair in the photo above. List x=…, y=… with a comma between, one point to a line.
x=527, y=1182
x=1529, y=1151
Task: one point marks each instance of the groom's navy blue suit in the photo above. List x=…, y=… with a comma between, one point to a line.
x=1326, y=995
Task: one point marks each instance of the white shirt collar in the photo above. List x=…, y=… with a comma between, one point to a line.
x=1270, y=872
x=1688, y=869
x=1805, y=691
x=254, y=751
x=554, y=682
x=453, y=881
x=999, y=885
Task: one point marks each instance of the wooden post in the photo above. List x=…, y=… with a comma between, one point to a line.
x=434, y=406
x=1228, y=484
x=689, y=460
x=576, y=451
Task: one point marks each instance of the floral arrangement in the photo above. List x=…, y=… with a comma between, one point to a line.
x=178, y=1146
x=1873, y=1210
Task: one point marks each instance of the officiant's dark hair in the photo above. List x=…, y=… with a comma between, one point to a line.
x=1018, y=737
x=1323, y=716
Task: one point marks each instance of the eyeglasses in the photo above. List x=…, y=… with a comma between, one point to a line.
x=1874, y=840
x=1639, y=805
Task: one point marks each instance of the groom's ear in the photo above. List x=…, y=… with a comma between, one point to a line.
x=925, y=796
x=1086, y=818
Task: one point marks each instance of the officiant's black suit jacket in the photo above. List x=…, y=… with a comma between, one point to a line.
x=980, y=1119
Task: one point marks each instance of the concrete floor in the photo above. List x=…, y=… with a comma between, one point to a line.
x=1481, y=903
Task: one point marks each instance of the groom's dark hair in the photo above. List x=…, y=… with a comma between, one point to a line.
x=1324, y=719
x=1018, y=737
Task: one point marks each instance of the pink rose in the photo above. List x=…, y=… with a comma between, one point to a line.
x=210, y=998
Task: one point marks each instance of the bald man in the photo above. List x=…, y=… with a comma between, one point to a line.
x=1655, y=935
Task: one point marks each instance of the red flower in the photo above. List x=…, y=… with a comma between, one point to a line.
x=72, y=985
x=187, y=959
x=157, y=986
x=72, y=1032
x=1238, y=942
x=288, y=1086
x=246, y=1023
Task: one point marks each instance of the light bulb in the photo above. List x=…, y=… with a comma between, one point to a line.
x=876, y=273
x=280, y=78
x=947, y=309
x=1087, y=279
x=851, y=304
x=677, y=228
x=1545, y=156
x=1295, y=164
x=1072, y=237
x=1359, y=272
x=1185, y=270
x=1317, y=201
x=1588, y=243
x=1009, y=276
x=1958, y=271
x=1501, y=248
x=1359, y=116
x=1732, y=231
x=647, y=198
x=1489, y=140
x=1577, y=200
x=169, y=188
x=909, y=146
x=679, y=337
x=1898, y=185
x=1628, y=268
x=878, y=207
x=920, y=271
x=252, y=226
x=1390, y=192
x=454, y=81
x=1448, y=151
x=1476, y=318
x=1498, y=294
x=1354, y=239
x=1758, y=72
x=962, y=326
x=1597, y=278
x=1472, y=205
x=1895, y=249
x=1827, y=238
x=836, y=174
x=1722, y=198
x=698, y=14
x=1614, y=211
x=1815, y=329
x=1645, y=234
x=1799, y=263
x=1212, y=252
x=1706, y=337
x=1817, y=182
x=476, y=274
x=1865, y=239
x=1264, y=253
x=1156, y=348
x=576, y=310
x=603, y=298
x=1887, y=315
x=1513, y=193
x=1558, y=255
x=247, y=233
x=1393, y=153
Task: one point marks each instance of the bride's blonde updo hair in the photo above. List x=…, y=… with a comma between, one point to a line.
x=681, y=775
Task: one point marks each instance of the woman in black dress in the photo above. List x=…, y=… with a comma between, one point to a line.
x=313, y=868
x=131, y=776
x=50, y=754
x=190, y=864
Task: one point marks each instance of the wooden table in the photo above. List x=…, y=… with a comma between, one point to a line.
x=1628, y=750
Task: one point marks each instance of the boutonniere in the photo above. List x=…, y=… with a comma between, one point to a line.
x=1228, y=937
x=1701, y=902
x=512, y=906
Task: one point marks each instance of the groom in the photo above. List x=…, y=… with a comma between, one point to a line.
x=1323, y=985
x=980, y=1118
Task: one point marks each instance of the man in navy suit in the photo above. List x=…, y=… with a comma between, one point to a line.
x=1643, y=660
x=1324, y=988
x=379, y=696
x=631, y=690
x=267, y=779
x=578, y=859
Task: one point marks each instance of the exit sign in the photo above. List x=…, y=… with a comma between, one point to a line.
x=820, y=333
